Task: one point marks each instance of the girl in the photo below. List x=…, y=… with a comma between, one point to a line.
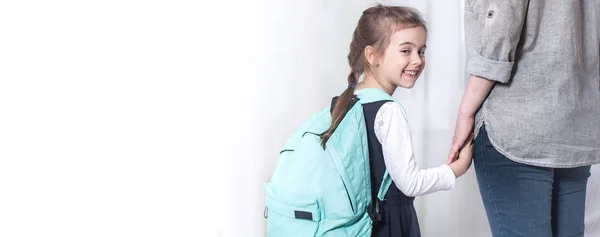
x=388, y=48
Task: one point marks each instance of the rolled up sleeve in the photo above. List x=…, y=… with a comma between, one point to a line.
x=494, y=51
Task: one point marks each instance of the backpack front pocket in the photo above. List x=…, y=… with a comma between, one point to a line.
x=290, y=215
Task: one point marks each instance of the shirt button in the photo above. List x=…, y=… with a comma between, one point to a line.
x=490, y=14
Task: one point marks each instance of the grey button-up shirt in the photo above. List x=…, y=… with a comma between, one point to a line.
x=544, y=109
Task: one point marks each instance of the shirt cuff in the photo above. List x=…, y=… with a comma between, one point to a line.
x=489, y=69
x=448, y=177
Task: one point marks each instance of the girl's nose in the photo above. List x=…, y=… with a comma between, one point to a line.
x=416, y=59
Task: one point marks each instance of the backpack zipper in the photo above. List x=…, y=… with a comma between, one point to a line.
x=348, y=194
x=286, y=150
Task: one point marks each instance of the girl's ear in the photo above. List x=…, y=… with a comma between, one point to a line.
x=371, y=56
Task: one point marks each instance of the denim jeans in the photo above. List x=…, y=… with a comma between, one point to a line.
x=529, y=201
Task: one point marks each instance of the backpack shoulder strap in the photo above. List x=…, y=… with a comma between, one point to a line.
x=369, y=95
x=385, y=185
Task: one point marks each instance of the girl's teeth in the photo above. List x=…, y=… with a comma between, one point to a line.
x=410, y=73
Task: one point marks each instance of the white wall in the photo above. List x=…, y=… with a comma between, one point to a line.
x=102, y=117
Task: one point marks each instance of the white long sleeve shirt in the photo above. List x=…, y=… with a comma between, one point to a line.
x=393, y=132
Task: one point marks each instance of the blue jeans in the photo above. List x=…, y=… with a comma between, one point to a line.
x=529, y=201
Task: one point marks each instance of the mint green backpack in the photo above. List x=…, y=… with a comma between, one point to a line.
x=317, y=192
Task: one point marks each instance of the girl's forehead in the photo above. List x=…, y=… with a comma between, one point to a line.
x=415, y=35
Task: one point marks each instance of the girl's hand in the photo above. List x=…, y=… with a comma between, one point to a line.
x=464, y=127
x=465, y=159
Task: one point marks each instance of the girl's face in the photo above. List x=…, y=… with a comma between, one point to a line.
x=402, y=61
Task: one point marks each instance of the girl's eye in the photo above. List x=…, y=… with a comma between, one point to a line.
x=421, y=52
x=405, y=51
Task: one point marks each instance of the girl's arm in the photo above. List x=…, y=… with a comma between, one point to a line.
x=392, y=131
